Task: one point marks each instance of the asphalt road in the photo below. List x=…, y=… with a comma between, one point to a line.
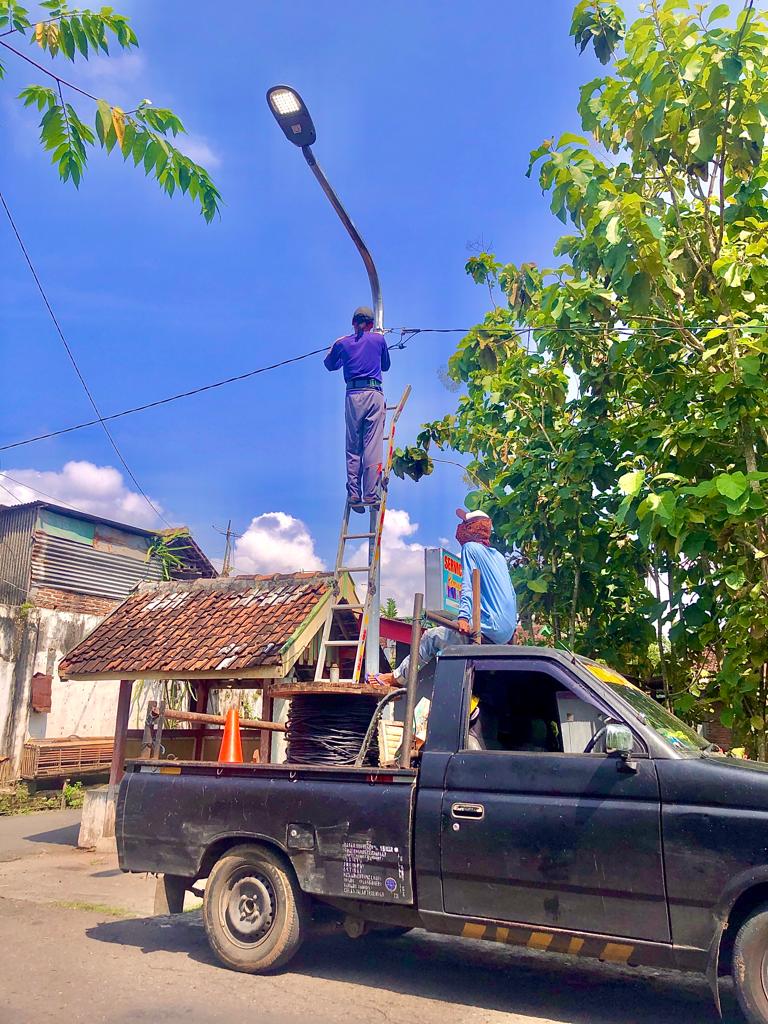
x=27, y=835
x=80, y=966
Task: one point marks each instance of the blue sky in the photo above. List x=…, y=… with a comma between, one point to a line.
x=425, y=115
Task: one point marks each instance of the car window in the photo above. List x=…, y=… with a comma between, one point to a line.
x=519, y=710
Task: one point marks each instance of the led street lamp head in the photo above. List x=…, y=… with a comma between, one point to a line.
x=291, y=114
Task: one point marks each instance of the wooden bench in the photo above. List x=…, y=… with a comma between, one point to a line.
x=43, y=759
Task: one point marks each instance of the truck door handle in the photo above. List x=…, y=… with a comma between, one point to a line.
x=473, y=811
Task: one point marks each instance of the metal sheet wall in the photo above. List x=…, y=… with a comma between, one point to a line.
x=17, y=528
x=70, y=565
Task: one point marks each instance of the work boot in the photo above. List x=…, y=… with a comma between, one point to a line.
x=357, y=506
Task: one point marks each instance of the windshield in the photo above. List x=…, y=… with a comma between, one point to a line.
x=675, y=732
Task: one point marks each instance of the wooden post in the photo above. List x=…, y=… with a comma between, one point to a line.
x=476, y=630
x=265, y=738
x=121, y=731
x=413, y=673
x=201, y=705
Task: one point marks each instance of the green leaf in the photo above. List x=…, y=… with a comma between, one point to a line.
x=735, y=580
x=732, y=68
x=721, y=11
x=103, y=120
x=631, y=483
x=731, y=485
x=538, y=586
x=703, y=142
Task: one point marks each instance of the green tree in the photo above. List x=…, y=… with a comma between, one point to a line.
x=143, y=134
x=651, y=465
x=390, y=609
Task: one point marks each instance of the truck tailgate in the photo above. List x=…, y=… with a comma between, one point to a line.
x=347, y=832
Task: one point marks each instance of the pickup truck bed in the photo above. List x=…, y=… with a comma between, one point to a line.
x=347, y=831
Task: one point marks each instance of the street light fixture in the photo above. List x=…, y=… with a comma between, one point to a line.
x=290, y=112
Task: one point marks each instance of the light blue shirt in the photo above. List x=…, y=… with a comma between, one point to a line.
x=498, y=604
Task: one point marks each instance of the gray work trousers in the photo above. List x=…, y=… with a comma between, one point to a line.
x=365, y=414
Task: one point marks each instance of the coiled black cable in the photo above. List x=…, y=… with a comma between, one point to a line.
x=329, y=728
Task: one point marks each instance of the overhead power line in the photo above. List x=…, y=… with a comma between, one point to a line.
x=72, y=359
x=407, y=334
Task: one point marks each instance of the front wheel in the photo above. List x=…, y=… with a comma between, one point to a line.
x=254, y=912
x=750, y=966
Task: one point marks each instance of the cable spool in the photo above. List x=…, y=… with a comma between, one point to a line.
x=329, y=728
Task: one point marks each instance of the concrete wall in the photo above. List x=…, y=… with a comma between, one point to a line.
x=34, y=640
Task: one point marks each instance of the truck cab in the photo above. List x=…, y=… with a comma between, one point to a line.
x=555, y=806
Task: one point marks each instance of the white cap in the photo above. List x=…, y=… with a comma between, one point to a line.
x=466, y=516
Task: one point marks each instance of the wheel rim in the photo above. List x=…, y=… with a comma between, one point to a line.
x=248, y=906
x=764, y=973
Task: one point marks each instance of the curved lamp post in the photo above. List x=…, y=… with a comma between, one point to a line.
x=291, y=114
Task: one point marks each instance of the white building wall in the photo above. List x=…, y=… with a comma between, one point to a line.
x=35, y=640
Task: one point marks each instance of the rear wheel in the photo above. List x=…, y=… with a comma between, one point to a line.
x=750, y=966
x=255, y=914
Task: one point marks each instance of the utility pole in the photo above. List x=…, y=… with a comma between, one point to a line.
x=226, y=567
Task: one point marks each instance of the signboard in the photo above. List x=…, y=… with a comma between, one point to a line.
x=442, y=590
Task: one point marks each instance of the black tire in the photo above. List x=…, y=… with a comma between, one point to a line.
x=750, y=966
x=254, y=912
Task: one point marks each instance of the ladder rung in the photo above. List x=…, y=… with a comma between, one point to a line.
x=353, y=568
x=358, y=536
x=349, y=607
x=345, y=682
x=341, y=643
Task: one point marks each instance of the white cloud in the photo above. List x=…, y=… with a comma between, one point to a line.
x=114, y=72
x=100, y=490
x=198, y=149
x=402, y=560
x=276, y=542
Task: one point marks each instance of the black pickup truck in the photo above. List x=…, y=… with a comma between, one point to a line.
x=581, y=818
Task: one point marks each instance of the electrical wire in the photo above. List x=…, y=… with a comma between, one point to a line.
x=72, y=359
x=328, y=728
x=407, y=334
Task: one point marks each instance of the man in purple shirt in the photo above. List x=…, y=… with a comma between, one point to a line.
x=363, y=355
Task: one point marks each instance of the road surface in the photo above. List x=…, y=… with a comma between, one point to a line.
x=80, y=966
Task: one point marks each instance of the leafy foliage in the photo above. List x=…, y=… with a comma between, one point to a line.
x=616, y=407
x=143, y=134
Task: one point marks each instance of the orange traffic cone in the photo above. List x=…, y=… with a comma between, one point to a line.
x=231, y=751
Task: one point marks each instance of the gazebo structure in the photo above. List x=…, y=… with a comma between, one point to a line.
x=243, y=632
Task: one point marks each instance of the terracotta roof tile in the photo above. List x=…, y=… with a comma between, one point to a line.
x=206, y=625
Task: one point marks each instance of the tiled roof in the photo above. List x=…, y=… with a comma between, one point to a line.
x=223, y=626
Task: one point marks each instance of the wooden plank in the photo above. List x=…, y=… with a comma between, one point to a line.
x=122, y=718
x=265, y=739
x=201, y=706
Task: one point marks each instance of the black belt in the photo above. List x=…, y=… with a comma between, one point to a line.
x=362, y=383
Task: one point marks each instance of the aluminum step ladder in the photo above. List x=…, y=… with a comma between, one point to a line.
x=369, y=610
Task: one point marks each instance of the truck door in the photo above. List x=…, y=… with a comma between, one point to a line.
x=535, y=830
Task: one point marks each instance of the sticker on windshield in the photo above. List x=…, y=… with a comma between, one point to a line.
x=608, y=675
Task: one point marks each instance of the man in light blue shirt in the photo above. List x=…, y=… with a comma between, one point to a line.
x=498, y=604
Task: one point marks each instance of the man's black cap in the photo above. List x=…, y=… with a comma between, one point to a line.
x=362, y=313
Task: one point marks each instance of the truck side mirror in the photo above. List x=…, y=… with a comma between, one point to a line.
x=618, y=739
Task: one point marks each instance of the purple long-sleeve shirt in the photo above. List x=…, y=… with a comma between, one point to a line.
x=365, y=356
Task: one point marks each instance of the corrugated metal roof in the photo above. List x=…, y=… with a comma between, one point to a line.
x=69, y=565
x=17, y=526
